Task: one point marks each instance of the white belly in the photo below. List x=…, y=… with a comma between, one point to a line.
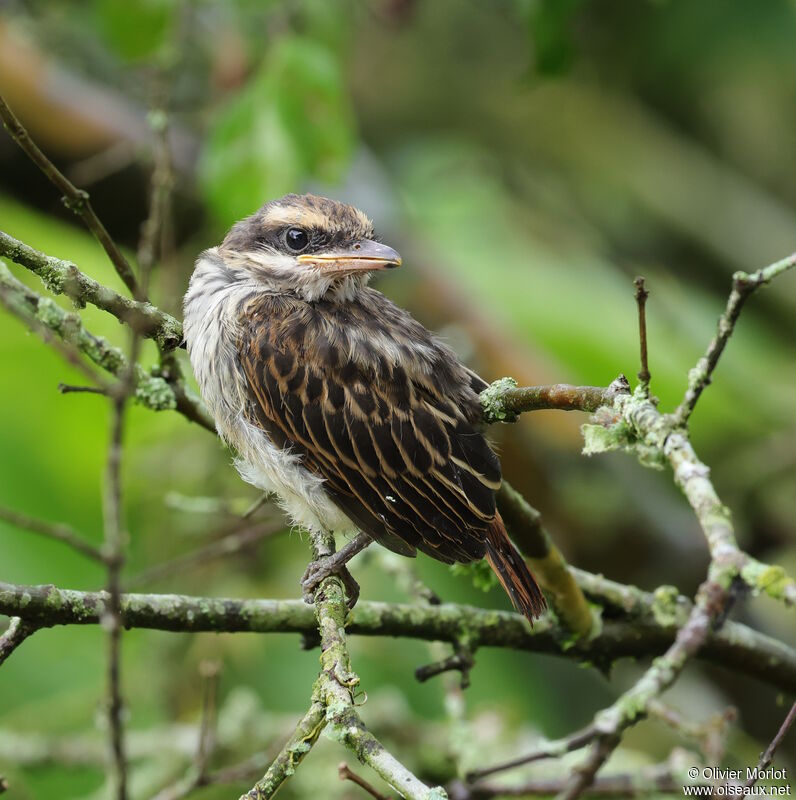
x=210, y=309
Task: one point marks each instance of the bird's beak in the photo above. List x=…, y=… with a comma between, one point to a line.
x=362, y=256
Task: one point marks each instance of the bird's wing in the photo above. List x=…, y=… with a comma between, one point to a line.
x=398, y=457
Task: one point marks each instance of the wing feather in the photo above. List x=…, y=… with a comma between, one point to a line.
x=398, y=456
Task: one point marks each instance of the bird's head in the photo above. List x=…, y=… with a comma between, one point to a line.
x=309, y=246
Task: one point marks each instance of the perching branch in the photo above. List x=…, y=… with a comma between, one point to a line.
x=648, y=629
x=332, y=707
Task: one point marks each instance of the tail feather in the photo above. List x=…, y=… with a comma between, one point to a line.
x=512, y=572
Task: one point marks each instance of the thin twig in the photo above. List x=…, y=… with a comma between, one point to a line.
x=461, y=660
x=768, y=755
x=17, y=631
x=227, y=546
x=52, y=530
x=67, y=388
x=554, y=749
x=655, y=780
x=641, y=301
x=112, y=617
x=210, y=671
x=75, y=199
x=743, y=285
x=345, y=774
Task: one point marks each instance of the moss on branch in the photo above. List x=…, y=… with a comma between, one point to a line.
x=639, y=634
x=64, y=277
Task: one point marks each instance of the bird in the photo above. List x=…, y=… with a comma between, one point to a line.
x=336, y=399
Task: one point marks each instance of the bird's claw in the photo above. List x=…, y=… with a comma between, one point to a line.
x=321, y=569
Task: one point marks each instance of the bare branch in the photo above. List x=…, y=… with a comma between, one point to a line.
x=114, y=559
x=461, y=660
x=743, y=285
x=641, y=301
x=768, y=755
x=554, y=749
x=75, y=199
x=346, y=774
x=52, y=530
x=67, y=388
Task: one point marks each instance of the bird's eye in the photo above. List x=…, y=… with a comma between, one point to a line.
x=296, y=239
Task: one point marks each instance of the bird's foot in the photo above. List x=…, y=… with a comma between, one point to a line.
x=321, y=569
x=335, y=564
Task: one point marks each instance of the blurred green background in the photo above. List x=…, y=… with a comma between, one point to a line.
x=528, y=159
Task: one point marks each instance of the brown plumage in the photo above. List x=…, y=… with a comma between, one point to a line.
x=347, y=387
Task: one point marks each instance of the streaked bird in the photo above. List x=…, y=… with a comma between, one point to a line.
x=336, y=399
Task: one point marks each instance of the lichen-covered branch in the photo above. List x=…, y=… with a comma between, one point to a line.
x=290, y=756
x=152, y=391
x=635, y=424
x=503, y=400
x=64, y=277
x=648, y=630
x=332, y=710
x=17, y=631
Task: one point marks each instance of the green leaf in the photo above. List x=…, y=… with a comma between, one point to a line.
x=550, y=28
x=134, y=30
x=292, y=122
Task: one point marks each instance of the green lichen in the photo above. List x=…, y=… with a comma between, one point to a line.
x=169, y=334
x=769, y=579
x=665, y=608
x=437, y=793
x=612, y=432
x=492, y=401
x=50, y=313
x=153, y=392
x=479, y=572
x=53, y=276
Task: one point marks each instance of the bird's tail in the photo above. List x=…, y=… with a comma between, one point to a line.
x=513, y=574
